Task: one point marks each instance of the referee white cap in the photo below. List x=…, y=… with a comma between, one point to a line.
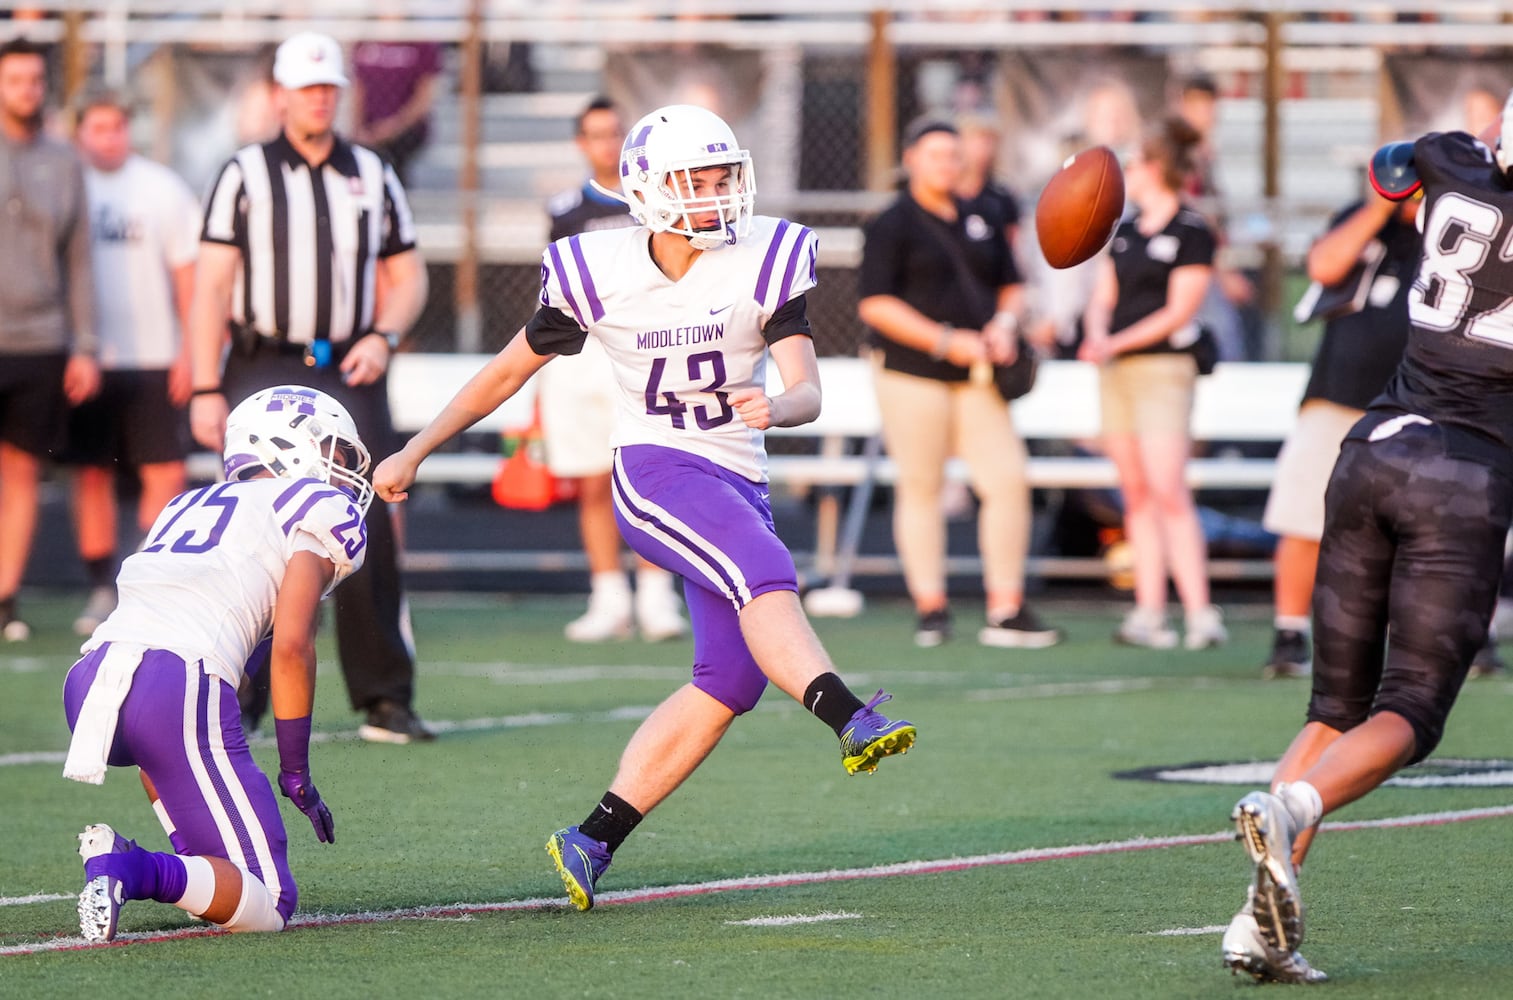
x=308, y=59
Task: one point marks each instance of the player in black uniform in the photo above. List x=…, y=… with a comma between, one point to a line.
x=1415, y=517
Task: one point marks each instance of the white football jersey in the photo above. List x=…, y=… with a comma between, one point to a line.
x=204, y=584
x=144, y=222
x=678, y=348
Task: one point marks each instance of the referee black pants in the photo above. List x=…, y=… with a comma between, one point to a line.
x=373, y=637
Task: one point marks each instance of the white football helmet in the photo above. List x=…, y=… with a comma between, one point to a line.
x=1505, y=140
x=296, y=432
x=657, y=162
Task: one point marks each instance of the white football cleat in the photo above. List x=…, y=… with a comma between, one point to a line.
x=1146, y=627
x=1205, y=628
x=101, y=899
x=659, y=613
x=1245, y=950
x=604, y=620
x=1266, y=830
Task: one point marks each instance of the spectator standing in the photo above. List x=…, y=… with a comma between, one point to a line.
x=1137, y=329
x=577, y=398
x=309, y=247
x=144, y=223
x=48, y=346
x=941, y=295
x=394, y=88
x=1363, y=267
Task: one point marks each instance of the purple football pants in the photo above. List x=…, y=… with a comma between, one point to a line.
x=713, y=528
x=182, y=726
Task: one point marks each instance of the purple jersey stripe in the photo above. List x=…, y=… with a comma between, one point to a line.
x=567, y=290
x=732, y=589
x=311, y=501
x=765, y=275
x=217, y=779
x=793, y=263
x=595, y=307
x=293, y=491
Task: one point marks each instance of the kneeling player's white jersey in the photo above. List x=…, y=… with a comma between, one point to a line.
x=678, y=348
x=205, y=582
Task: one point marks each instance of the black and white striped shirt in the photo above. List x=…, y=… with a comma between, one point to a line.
x=310, y=237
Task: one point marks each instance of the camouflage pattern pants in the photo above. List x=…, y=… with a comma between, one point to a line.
x=1408, y=577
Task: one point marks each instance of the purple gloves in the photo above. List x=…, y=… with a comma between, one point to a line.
x=294, y=780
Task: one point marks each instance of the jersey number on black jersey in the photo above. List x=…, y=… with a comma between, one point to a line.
x=1459, y=241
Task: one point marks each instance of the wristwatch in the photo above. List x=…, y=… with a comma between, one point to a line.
x=392, y=339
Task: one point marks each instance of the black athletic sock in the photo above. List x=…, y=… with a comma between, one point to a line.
x=611, y=821
x=831, y=701
x=7, y=607
x=101, y=571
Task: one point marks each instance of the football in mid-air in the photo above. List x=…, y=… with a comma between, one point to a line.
x=1080, y=207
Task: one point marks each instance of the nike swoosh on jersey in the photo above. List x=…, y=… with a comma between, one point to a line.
x=716, y=312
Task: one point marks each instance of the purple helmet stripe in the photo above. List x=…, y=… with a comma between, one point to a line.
x=595, y=307
x=765, y=275
x=567, y=291
x=793, y=262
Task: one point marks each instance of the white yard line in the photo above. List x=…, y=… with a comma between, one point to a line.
x=655, y=893
x=792, y=919
x=43, y=897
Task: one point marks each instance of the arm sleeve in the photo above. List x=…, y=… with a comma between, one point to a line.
x=552, y=331
x=225, y=211
x=79, y=268
x=882, y=258
x=791, y=319
x=1198, y=246
x=331, y=526
x=399, y=221
x=181, y=224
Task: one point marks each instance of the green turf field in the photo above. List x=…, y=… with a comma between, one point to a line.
x=1016, y=753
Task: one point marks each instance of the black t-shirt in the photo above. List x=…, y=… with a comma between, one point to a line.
x=1144, y=265
x=994, y=201
x=949, y=271
x=584, y=209
x=1458, y=368
x=1359, y=351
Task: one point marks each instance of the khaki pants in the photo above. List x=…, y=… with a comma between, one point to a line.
x=925, y=422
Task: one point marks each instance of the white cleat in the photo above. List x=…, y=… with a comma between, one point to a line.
x=1266, y=830
x=1246, y=950
x=101, y=899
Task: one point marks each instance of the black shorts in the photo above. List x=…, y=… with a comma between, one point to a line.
x=367, y=404
x=32, y=404
x=1408, y=575
x=129, y=422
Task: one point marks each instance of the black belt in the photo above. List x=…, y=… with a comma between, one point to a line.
x=249, y=343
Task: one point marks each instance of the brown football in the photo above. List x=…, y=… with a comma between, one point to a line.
x=1080, y=207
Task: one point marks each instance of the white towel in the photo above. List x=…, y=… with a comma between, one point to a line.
x=95, y=729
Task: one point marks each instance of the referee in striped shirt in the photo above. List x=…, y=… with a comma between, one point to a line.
x=308, y=247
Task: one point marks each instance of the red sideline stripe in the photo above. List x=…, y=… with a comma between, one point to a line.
x=657, y=893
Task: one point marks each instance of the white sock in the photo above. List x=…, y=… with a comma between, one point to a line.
x=1303, y=803
x=610, y=582
x=257, y=910
x=652, y=580
x=1293, y=623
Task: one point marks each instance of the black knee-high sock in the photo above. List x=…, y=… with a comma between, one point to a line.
x=831, y=701
x=611, y=821
x=101, y=571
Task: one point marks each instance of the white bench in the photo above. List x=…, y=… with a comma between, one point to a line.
x=1251, y=402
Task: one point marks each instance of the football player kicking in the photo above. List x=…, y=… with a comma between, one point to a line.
x=1416, y=513
x=687, y=305
x=157, y=685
